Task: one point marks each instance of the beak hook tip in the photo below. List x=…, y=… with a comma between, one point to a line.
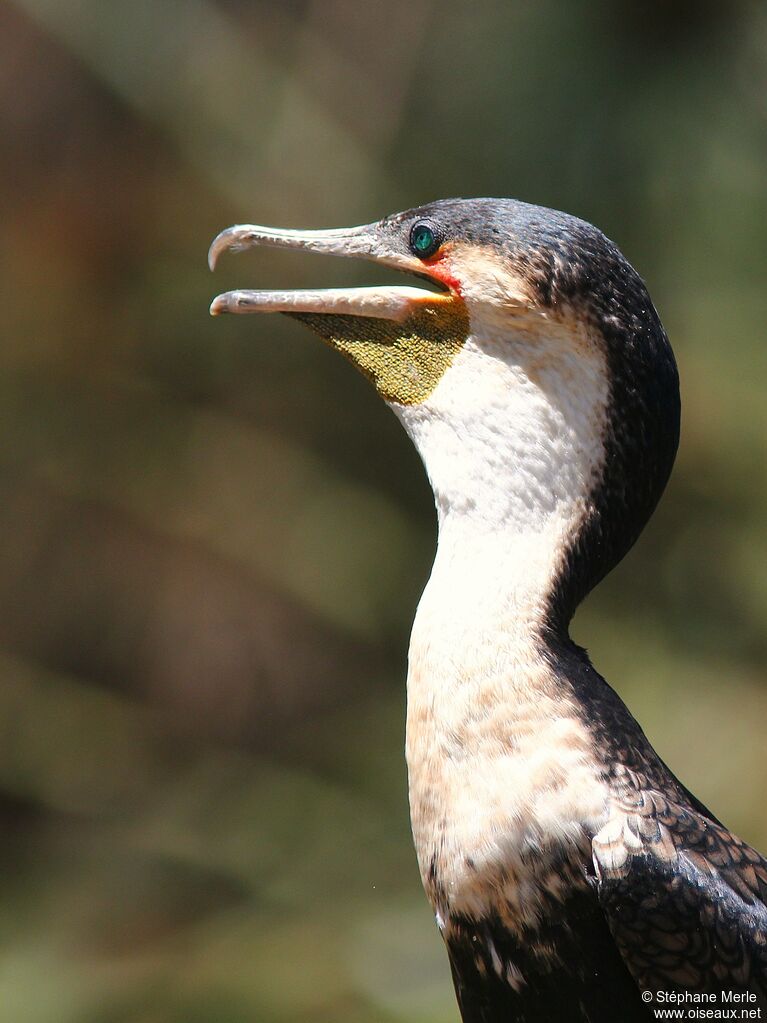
x=214, y=252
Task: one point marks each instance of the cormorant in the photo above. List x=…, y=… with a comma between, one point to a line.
x=573, y=877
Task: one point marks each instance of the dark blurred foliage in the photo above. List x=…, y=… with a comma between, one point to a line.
x=214, y=535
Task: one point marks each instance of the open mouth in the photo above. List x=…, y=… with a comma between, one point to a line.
x=385, y=302
x=402, y=338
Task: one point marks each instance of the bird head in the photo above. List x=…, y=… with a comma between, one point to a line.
x=533, y=374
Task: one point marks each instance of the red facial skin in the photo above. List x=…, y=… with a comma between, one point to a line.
x=439, y=269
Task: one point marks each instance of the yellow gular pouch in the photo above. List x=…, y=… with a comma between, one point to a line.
x=405, y=360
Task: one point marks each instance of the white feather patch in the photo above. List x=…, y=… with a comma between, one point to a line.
x=501, y=767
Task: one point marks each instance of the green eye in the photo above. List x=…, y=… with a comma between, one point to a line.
x=424, y=240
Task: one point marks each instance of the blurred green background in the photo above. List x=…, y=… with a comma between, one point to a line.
x=214, y=535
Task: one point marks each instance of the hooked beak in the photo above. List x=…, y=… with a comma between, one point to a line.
x=391, y=302
x=401, y=338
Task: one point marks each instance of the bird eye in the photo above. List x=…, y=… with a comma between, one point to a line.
x=424, y=240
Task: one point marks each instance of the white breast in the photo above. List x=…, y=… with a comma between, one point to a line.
x=503, y=782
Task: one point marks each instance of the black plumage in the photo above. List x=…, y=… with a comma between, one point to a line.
x=672, y=902
x=652, y=894
x=685, y=909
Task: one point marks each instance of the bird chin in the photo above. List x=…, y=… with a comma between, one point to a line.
x=404, y=359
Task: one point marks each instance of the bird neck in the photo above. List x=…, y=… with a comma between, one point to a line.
x=495, y=581
x=481, y=624
x=502, y=774
x=513, y=442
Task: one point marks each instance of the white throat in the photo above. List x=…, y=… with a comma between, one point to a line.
x=512, y=439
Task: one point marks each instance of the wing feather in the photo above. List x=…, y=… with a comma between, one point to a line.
x=684, y=897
